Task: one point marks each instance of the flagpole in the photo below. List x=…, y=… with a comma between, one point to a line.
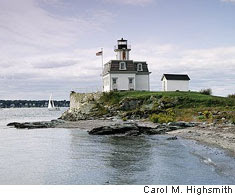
x=102, y=59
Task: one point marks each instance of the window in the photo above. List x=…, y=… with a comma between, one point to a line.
x=114, y=81
x=131, y=83
x=139, y=67
x=122, y=66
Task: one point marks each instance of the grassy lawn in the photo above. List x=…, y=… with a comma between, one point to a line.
x=177, y=106
x=186, y=99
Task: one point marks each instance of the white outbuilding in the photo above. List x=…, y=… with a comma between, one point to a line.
x=175, y=82
x=123, y=73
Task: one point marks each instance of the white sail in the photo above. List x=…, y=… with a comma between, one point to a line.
x=49, y=103
x=51, y=106
x=52, y=102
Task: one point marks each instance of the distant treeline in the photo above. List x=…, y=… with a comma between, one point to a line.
x=31, y=103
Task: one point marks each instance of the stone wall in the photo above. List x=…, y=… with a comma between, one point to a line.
x=82, y=106
x=79, y=100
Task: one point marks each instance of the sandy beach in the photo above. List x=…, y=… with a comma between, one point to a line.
x=222, y=136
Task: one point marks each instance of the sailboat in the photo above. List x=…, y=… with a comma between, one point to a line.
x=51, y=106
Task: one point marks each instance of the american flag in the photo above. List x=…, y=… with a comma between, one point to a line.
x=100, y=53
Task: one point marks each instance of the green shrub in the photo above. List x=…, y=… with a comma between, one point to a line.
x=206, y=91
x=154, y=118
x=110, y=97
x=232, y=118
x=161, y=118
x=170, y=112
x=231, y=96
x=124, y=119
x=202, y=117
x=233, y=121
x=101, y=110
x=207, y=114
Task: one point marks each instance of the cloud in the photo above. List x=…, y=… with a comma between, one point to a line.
x=208, y=68
x=40, y=47
x=130, y=2
x=80, y=69
x=29, y=25
x=47, y=64
x=229, y=1
x=40, y=54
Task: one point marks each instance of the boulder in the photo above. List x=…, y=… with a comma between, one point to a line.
x=154, y=131
x=129, y=104
x=133, y=133
x=182, y=124
x=128, y=129
x=13, y=124
x=35, y=125
x=173, y=128
x=172, y=138
x=114, y=129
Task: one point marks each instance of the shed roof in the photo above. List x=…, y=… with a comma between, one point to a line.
x=183, y=77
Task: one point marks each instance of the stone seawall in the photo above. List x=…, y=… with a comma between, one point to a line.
x=78, y=100
x=82, y=106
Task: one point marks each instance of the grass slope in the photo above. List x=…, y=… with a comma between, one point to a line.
x=184, y=105
x=188, y=99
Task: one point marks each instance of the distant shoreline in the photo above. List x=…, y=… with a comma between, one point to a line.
x=32, y=103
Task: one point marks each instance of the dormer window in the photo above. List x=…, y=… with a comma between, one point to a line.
x=139, y=67
x=122, y=66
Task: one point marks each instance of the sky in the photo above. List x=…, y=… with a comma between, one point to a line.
x=49, y=46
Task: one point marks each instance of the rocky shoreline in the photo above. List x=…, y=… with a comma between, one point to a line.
x=106, y=127
x=222, y=135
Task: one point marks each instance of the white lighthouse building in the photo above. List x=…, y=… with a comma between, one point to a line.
x=123, y=73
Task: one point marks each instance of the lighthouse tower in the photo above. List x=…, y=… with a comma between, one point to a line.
x=123, y=74
x=122, y=50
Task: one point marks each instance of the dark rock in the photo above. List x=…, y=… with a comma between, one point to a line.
x=36, y=125
x=114, y=129
x=129, y=129
x=129, y=104
x=155, y=131
x=133, y=133
x=172, y=128
x=172, y=138
x=13, y=124
x=182, y=124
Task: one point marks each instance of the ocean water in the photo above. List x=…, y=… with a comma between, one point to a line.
x=71, y=156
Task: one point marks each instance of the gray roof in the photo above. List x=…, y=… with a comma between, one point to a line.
x=184, y=77
x=131, y=66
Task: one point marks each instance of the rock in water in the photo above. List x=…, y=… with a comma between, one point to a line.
x=35, y=125
x=133, y=133
x=172, y=138
x=128, y=129
x=154, y=131
x=13, y=124
x=114, y=129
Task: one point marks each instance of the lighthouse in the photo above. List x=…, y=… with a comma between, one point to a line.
x=122, y=50
x=123, y=74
